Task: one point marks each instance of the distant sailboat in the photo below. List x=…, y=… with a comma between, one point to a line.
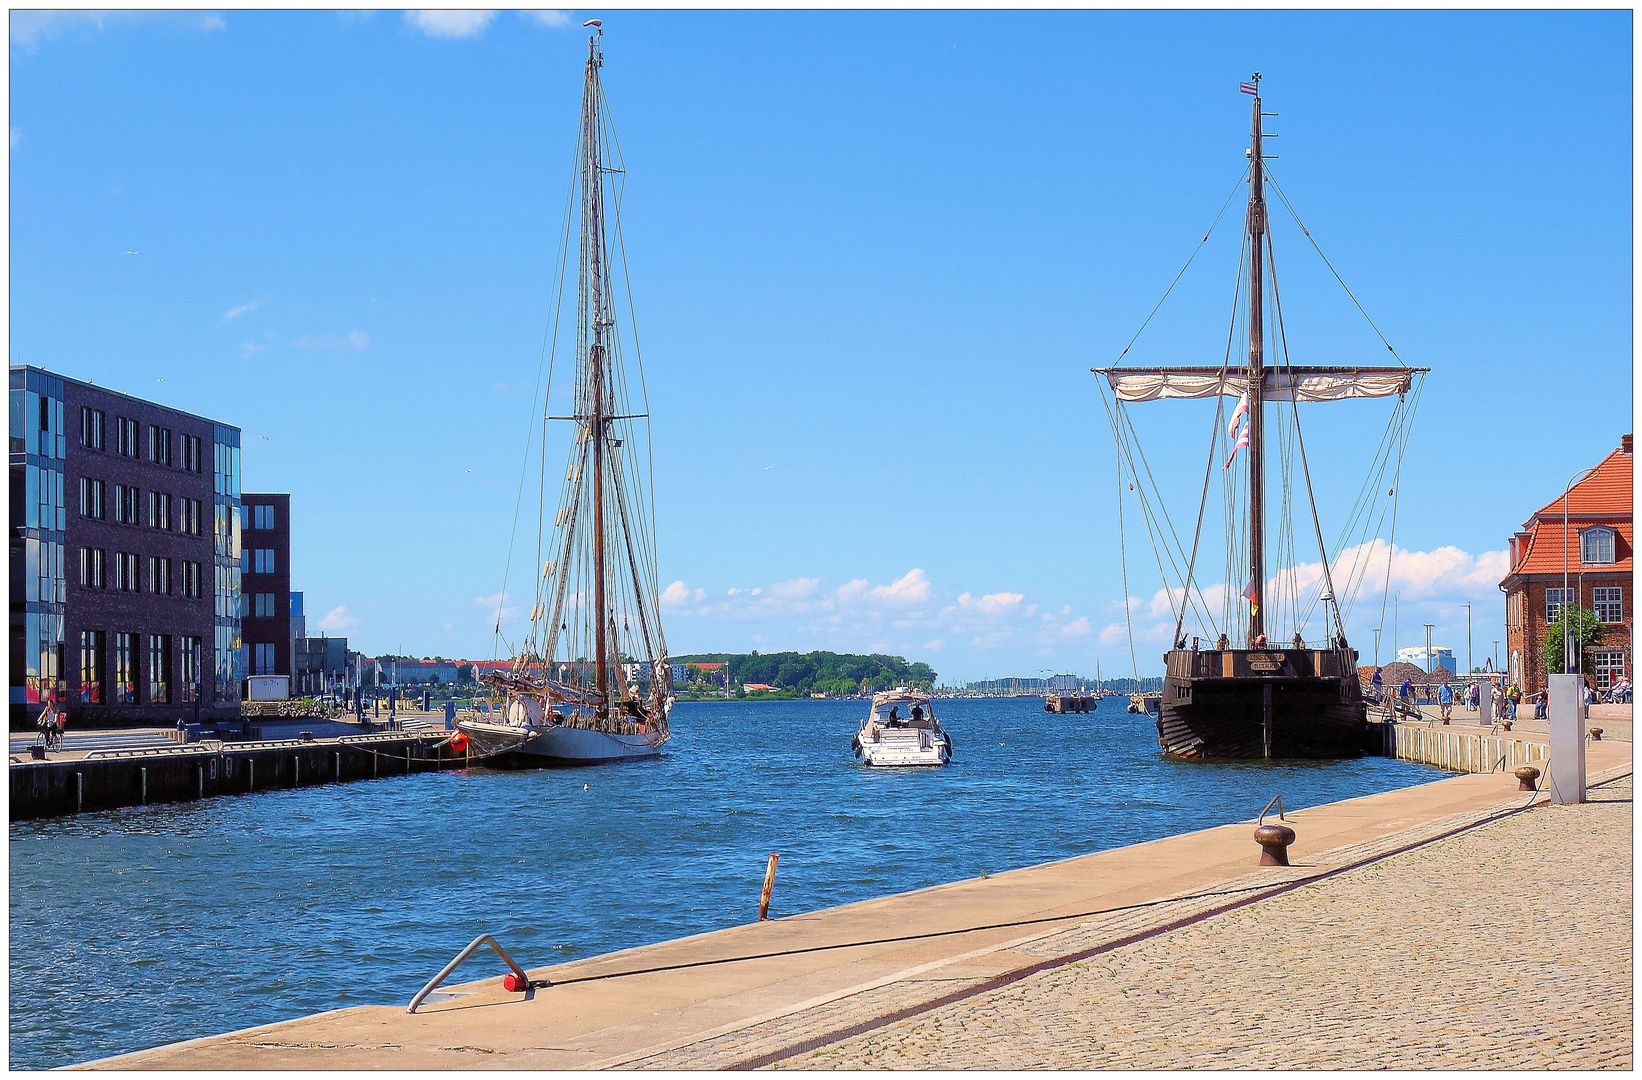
x=591, y=681
x=1242, y=694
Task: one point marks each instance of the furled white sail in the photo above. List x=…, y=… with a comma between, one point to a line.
x=1281, y=383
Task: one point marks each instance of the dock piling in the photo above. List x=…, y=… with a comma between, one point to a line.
x=769, y=887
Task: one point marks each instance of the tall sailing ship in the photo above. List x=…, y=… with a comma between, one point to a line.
x=590, y=681
x=1242, y=687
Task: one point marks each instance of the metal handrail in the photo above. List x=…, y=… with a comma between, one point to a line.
x=482, y=939
x=154, y=751
x=383, y=736
x=1276, y=800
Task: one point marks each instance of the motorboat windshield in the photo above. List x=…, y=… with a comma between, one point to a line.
x=902, y=701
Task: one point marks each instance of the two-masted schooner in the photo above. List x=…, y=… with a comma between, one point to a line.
x=1250, y=690
x=591, y=681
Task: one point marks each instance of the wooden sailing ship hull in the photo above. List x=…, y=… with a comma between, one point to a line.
x=1262, y=704
x=557, y=746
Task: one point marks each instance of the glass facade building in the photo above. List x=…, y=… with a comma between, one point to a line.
x=124, y=585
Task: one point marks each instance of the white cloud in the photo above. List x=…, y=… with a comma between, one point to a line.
x=353, y=339
x=450, y=22
x=679, y=596
x=338, y=619
x=558, y=20
x=235, y=312
x=910, y=588
x=30, y=28
x=249, y=349
x=498, y=605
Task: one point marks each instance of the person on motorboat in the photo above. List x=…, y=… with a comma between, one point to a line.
x=894, y=716
x=917, y=713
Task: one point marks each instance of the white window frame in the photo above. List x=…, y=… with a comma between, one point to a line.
x=1598, y=534
x=1606, y=664
x=1608, y=600
x=1553, y=608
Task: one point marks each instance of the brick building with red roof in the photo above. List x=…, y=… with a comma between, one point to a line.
x=1595, y=551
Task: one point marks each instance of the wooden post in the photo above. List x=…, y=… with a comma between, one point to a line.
x=199, y=781
x=145, y=789
x=79, y=791
x=769, y=887
x=250, y=775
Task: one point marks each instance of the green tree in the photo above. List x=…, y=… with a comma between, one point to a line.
x=1586, y=629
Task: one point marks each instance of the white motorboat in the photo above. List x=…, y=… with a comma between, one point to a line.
x=900, y=730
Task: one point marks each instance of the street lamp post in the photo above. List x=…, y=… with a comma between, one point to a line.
x=1567, y=627
x=1468, y=661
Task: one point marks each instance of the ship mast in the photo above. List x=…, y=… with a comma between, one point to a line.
x=1256, y=381
x=593, y=238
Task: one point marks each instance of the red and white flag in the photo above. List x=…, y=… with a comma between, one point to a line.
x=1241, y=441
x=600, y=22
x=1238, y=413
x=1248, y=88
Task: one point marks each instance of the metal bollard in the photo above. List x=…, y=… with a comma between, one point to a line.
x=1274, y=841
x=1596, y=734
x=769, y=887
x=1526, y=775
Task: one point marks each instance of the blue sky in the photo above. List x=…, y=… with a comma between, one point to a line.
x=873, y=257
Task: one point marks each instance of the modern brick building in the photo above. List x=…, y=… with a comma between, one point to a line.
x=266, y=615
x=1596, y=557
x=124, y=556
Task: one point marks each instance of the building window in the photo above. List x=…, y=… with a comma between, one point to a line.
x=262, y=561
x=125, y=437
x=159, y=510
x=91, y=428
x=159, y=445
x=188, y=680
x=264, y=608
x=191, y=453
x=125, y=571
x=1596, y=545
x=91, y=498
x=262, y=659
x=262, y=517
x=190, y=519
x=125, y=670
x=91, y=667
x=1607, y=665
x=127, y=501
x=93, y=568
x=1609, y=603
x=1553, y=603
x=191, y=580
x=159, y=669
x=159, y=575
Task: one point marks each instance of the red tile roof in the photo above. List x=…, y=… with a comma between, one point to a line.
x=1606, y=491
x=1544, y=549
x=1602, y=498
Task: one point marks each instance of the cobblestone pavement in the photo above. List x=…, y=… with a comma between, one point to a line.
x=1505, y=947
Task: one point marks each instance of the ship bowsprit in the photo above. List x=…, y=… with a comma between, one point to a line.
x=1259, y=704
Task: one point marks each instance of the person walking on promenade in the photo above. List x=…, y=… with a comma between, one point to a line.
x=1406, y=692
x=1445, y=701
x=1379, y=684
x=1541, y=709
x=1513, y=697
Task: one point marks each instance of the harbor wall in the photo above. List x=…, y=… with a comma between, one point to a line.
x=107, y=780
x=1455, y=749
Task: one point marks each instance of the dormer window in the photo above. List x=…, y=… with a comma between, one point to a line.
x=1596, y=545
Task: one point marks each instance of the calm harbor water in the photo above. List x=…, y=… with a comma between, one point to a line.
x=134, y=928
